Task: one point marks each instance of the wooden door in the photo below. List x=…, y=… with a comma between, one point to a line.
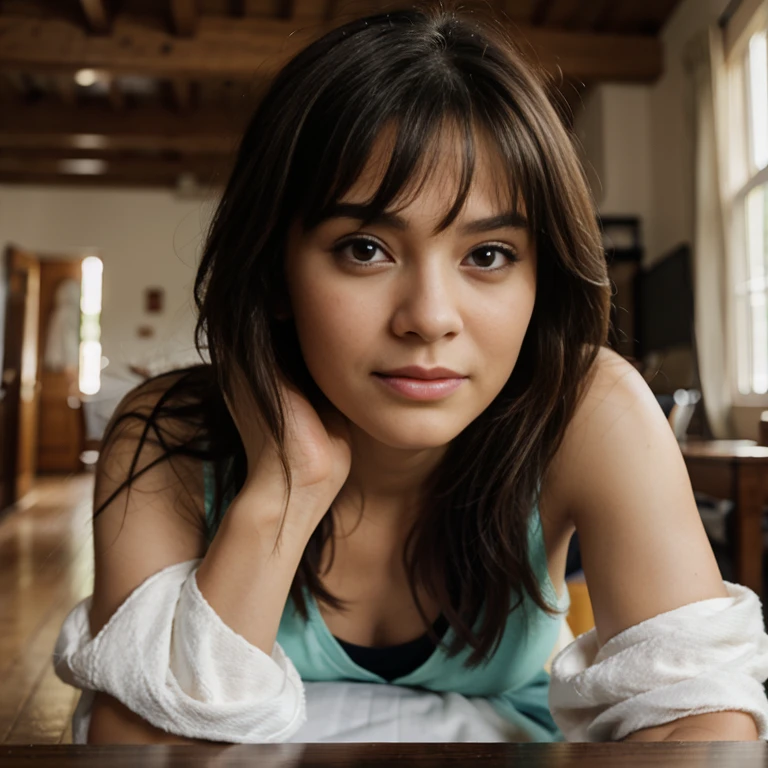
x=20, y=381
x=61, y=425
x=7, y=470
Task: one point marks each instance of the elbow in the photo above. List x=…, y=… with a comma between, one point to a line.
x=113, y=723
x=712, y=726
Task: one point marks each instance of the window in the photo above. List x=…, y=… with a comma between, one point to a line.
x=748, y=188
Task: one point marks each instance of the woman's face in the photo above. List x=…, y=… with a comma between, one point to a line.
x=370, y=299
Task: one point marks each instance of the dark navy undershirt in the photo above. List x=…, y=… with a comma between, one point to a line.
x=395, y=660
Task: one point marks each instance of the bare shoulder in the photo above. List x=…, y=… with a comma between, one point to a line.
x=614, y=388
x=606, y=389
x=614, y=394
x=150, y=516
x=149, y=506
x=621, y=482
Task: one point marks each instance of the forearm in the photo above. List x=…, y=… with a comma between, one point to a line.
x=111, y=722
x=712, y=726
x=243, y=576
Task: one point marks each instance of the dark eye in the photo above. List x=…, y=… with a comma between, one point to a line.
x=359, y=251
x=486, y=256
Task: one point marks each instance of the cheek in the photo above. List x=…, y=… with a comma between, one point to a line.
x=334, y=327
x=500, y=326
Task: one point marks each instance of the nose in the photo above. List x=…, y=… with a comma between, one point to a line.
x=427, y=302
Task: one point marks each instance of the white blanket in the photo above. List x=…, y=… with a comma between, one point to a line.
x=371, y=712
x=707, y=656
x=168, y=656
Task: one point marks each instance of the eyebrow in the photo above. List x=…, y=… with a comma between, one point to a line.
x=394, y=221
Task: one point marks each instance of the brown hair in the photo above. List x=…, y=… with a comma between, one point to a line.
x=304, y=147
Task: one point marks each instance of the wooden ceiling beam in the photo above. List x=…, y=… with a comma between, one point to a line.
x=308, y=11
x=65, y=88
x=57, y=180
x=116, y=167
x=246, y=47
x=184, y=17
x=597, y=16
x=541, y=12
x=222, y=47
x=115, y=95
x=263, y=9
x=201, y=160
x=42, y=127
x=182, y=94
x=97, y=16
x=9, y=94
x=18, y=82
x=592, y=57
x=208, y=182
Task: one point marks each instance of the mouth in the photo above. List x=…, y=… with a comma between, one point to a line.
x=424, y=374
x=415, y=388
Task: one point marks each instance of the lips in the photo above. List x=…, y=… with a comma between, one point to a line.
x=414, y=388
x=424, y=374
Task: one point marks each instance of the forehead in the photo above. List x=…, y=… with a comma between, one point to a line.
x=438, y=175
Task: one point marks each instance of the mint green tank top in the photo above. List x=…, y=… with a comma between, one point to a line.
x=513, y=680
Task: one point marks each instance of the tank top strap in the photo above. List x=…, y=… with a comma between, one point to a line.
x=209, y=485
x=537, y=554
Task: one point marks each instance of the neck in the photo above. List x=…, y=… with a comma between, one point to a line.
x=384, y=482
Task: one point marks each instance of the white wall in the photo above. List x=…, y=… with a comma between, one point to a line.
x=146, y=238
x=672, y=156
x=589, y=126
x=639, y=139
x=615, y=133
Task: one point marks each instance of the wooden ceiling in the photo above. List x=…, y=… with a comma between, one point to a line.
x=155, y=92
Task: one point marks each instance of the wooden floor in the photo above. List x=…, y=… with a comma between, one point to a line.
x=46, y=568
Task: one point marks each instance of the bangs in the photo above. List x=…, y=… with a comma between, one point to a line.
x=381, y=107
x=407, y=149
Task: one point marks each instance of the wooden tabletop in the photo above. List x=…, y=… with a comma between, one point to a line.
x=743, y=450
x=658, y=755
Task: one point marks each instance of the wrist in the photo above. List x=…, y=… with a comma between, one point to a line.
x=265, y=510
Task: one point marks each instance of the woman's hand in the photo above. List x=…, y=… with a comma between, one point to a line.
x=318, y=447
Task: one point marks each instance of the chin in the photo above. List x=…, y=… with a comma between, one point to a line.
x=412, y=433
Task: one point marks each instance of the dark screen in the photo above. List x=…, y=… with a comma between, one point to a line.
x=666, y=290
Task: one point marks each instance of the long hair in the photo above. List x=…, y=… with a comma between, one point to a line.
x=415, y=72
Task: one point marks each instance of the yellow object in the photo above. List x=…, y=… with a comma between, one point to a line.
x=580, y=617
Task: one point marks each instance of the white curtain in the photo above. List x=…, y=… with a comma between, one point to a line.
x=706, y=68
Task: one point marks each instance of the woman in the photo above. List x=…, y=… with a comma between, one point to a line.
x=409, y=410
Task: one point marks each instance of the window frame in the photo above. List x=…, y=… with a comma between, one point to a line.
x=742, y=178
